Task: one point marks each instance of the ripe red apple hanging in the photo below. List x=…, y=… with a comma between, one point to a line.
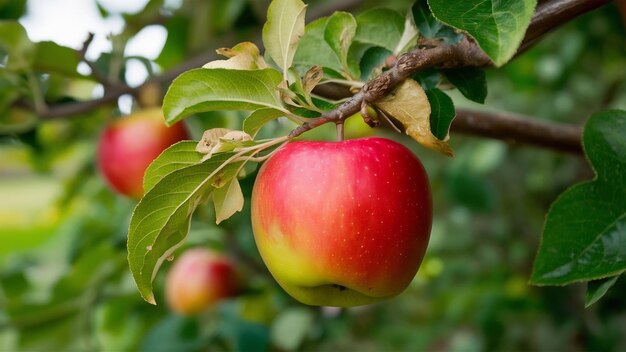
x=342, y=223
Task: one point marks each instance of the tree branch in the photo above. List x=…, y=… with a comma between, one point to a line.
x=519, y=129
x=549, y=15
x=463, y=54
x=113, y=92
x=95, y=72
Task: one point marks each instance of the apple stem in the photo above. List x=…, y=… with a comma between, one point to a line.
x=339, y=126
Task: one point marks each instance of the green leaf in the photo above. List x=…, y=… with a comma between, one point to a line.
x=283, y=30
x=253, y=123
x=339, y=34
x=427, y=24
x=597, y=289
x=497, y=26
x=52, y=57
x=380, y=27
x=470, y=81
x=177, y=156
x=313, y=49
x=162, y=218
x=430, y=27
x=428, y=78
x=15, y=42
x=203, y=90
x=584, y=237
x=372, y=58
x=441, y=112
x=227, y=200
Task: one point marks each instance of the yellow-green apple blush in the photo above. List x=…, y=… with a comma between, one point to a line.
x=342, y=223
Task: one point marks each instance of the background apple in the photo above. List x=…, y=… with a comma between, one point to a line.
x=130, y=144
x=342, y=223
x=198, y=279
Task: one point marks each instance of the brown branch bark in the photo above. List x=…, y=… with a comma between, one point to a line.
x=518, y=129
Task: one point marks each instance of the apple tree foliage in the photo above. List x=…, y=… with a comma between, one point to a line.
x=583, y=240
x=585, y=233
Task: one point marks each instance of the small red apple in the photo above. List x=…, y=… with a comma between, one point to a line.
x=198, y=279
x=130, y=144
x=342, y=223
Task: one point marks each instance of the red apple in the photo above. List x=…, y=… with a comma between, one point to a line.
x=130, y=144
x=199, y=279
x=342, y=223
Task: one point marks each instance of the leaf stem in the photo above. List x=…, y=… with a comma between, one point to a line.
x=345, y=82
x=262, y=146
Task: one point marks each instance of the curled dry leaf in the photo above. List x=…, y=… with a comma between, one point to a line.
x=311, y=78
x=218, y=140
x=243, y=56
x=209, y=139
x=409, y=105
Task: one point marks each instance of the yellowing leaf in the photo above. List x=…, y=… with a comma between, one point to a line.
x=243, y=56
x=227, y=200
x=409, y=105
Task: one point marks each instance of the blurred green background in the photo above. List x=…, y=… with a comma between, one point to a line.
x=65, y=283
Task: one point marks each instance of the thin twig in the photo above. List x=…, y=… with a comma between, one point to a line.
x=95, y=71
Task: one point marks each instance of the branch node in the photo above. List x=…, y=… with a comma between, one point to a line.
x=377, y=88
